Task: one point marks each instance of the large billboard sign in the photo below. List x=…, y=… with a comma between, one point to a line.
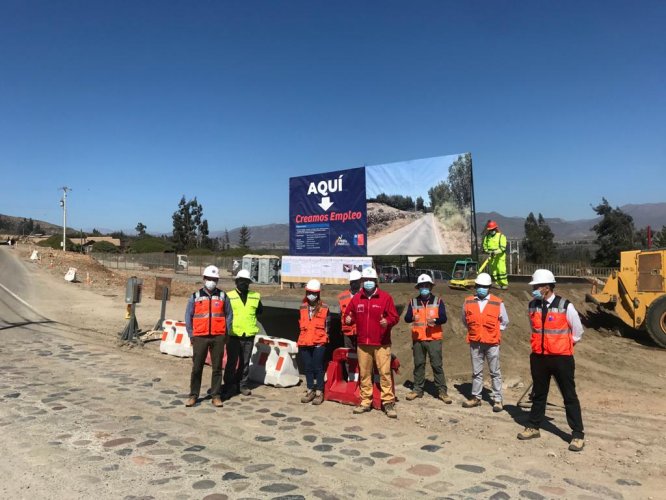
x=417, y=207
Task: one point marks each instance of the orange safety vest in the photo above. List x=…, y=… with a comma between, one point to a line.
x=313, y=330
x=420, y=328
x=483, y=326
x=344, y=298
x=552, y=334
x=209, y=314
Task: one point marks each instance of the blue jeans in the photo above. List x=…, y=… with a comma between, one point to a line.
x=312, y=358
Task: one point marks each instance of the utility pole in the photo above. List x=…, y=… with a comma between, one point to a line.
x=63, y=204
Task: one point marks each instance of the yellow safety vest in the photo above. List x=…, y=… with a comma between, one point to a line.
x=245, y=315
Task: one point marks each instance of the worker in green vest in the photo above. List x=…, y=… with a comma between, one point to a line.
x=246, y=305
x=494, y=244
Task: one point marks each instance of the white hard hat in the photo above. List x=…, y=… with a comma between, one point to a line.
x=313, y=286
x=354, y=275
x=483, y=279
x=211, y=272
x=369, y=273
x=244, y=274
x=542, y=277
x=423, y=278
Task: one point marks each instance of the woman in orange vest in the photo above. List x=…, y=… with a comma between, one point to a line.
x=314, y=325
x=344, y=298
x=485, y=317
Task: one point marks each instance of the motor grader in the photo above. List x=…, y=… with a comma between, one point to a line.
x=637, y=292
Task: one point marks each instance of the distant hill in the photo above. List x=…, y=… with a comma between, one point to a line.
x=266, y=236
x=10, y=224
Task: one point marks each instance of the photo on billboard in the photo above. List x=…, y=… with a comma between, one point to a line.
x=420, y=207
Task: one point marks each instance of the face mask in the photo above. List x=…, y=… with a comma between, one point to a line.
x=424, y=292
x=210, y=285
x=369, y=286
x=537, y=294
x=354, y=287
x=243, y=287
x=311, y=297
x=481, y=293
x=491, y=233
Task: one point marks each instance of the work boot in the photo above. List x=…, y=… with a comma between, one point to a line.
x=319, y=398
x=362, y=409
x=471, y=403
x=245, y=391
x=217, y=402
x=529, y=433
x=504, y=287
x=389, y=409
x=445, y=397
x=413, y=395
x=577, y=444
x=309, y=396
x=191, y=401
x=498, y=407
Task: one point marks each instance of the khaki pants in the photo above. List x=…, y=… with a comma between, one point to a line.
x=379, y=356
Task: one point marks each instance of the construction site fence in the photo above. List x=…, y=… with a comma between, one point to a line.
x=165, y=262
x=567, y=270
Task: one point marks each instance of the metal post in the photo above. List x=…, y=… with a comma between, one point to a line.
x=165, y=297
x=63, y=202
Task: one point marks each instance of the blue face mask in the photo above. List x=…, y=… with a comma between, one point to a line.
x=481, y=293
x=537, y=294
x=424, y=292
x=369, y=286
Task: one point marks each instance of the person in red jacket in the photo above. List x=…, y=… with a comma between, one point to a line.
x=344, y=298
x=373, y=312
x=314, y=325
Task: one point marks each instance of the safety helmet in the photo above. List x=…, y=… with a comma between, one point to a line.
x=423, y=278
x=369, y=273
x=313, y=286
x=483, y=279
x=542, y=277
x=211, y=272
x=243, y=274
x=354, y=275
x=491, y=225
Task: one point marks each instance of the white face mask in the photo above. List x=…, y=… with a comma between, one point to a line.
x=311, y=297
x=210, y=285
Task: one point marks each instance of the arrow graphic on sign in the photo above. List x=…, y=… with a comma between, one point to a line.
x=326, y=203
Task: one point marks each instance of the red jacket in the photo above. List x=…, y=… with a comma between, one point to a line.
x=366, y=312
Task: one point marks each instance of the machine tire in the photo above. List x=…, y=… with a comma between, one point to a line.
x=656, y=321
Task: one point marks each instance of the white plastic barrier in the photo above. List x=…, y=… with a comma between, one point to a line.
x=71, y=274
x=34, y=255
x=175, y=340
x=273, y=362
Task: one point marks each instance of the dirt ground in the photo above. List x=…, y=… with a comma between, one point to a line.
x=621, y=375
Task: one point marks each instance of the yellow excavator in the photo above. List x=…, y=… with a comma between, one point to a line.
x=637, y=292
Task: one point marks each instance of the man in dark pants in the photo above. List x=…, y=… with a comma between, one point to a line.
x=246, y=305
x=556, y=328
x=208, y=318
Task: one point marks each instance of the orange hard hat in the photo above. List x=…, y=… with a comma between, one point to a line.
x=491, y=225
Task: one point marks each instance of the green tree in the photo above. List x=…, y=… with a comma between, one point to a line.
x=659, y=238
x=190, y=229
x=615, y=234
x=538, y=242
x=226, y=243
x=460, y=180
x=420, y=204
x=244, y=237
x=439, y=194
x=95, y=232
x=141, y=229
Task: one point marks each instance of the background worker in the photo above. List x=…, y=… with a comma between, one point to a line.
x=556, y=328
x=373, y=312
x=246, y=306
x=494, y=244
x=208, y=318
x=485, y=317
x=349, y=331
x=314, y=325
x=427, y=313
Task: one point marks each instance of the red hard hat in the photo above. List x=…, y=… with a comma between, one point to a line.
x=491, y=225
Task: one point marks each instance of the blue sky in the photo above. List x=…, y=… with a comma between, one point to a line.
x=136, y=103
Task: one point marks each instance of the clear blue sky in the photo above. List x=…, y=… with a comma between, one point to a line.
x=135, y=103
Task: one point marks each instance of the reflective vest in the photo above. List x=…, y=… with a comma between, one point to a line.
x=313, y=330
x=483, y=326
x=420, y=328
x=209, y=314
x=494, y=242
x=552, y=334
x=344, y=298
x=245, y=315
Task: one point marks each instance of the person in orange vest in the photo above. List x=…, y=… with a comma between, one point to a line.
x=427, y=313
x=344, y=298
x=556, y=328
x=208, y=318
x=485, y=317
x=314, y=324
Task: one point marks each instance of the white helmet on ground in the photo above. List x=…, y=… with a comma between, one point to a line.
x=313, y=286
x=369, y=273
x=211, y=272
x=243, y=274
x=354, y=275
x=483, y=280
x=542, y=277
x=423, y=278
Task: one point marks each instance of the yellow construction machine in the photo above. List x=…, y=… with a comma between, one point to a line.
x=637, y=292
